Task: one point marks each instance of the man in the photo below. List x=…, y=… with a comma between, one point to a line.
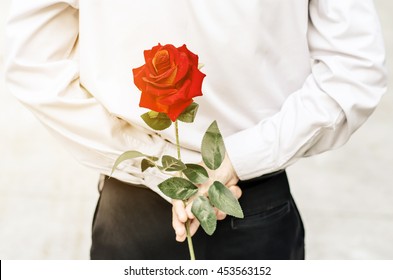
x=285, y=80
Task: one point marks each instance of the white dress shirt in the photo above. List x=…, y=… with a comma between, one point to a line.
x=284, y=79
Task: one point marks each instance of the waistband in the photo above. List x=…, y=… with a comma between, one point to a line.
x=258, y=194
x=265, y=192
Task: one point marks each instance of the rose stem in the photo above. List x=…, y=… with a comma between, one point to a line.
x=177, y=140
x=189, y=239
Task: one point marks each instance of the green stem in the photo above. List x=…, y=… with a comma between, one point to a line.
x=189, y=239
x=177, y=140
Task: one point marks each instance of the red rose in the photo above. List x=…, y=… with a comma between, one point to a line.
x=169, y=79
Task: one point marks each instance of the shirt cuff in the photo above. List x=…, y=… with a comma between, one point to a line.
x=247, y=155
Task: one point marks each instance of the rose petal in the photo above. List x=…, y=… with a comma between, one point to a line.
x=178, y=96
x=176, y=109
x=149, y=54
x=196, y=82
x=150, y=102
x=166, y=78
x=173, y=53
x=139, y=74
x=193, y=58
x=150, y=67
x=183, y=66
x=150, y=89
x=161, y=62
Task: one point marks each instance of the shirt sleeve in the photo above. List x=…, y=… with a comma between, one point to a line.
x=42, y=71
x=347, y=81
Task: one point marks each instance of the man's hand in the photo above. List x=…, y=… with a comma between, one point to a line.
x=181, y=213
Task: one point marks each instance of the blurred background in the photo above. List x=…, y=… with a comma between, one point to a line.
x=47, y=199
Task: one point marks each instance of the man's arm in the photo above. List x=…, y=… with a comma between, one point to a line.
x=347, y=80
x=42, y=71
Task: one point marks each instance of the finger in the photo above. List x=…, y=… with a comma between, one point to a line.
x=194, y=225
x=181, y=238
x=220, y=215
x=236, y=191
x=178, y=226
x=190, y=215
x=182, y=234
x=179, y=210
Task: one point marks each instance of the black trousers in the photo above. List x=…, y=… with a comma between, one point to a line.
x=133, y=222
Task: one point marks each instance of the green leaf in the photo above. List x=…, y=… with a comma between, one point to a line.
x=153, y=114
x=125, y=156
x=213, y=148
x=222, y=198
x=196, y=173
x=146, y=163
x=157, y=121
x=178, y=188
x=172, y=164
x=204, y=212
x=188, y=115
